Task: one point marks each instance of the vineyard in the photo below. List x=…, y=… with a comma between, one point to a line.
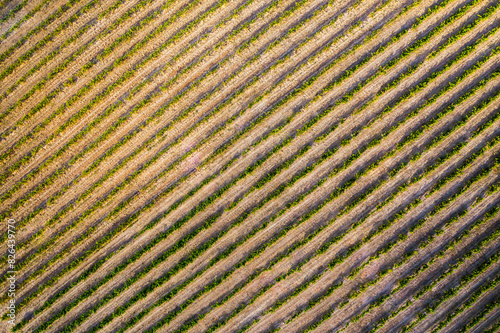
x=250, y=166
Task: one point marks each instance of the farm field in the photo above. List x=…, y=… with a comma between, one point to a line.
x=250, y=166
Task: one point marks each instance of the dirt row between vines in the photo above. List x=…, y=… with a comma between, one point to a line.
x=488, y=323
x=363, y=255
x=456, y=228
x=432, y=320
x=453, y=254
x=125, y=151
x=229, y=195
x=78, y=167
x=129, y=64
x=6, y=10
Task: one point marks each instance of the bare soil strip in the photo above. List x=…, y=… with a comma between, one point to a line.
x=23, y=79
x=88, y=19
x=116, y=73
x=407, y=315
x=389, y=282
x=251, y=165
x=461, y=321
x=48, y=9
x=317, y=266
x=83, y=164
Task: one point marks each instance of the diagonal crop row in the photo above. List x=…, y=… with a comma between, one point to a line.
x=62, y=63
x=30, y=17
x=48, y=24
x=456, y=302
x=398, y=296
x=20, y=55
x=465, y=225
